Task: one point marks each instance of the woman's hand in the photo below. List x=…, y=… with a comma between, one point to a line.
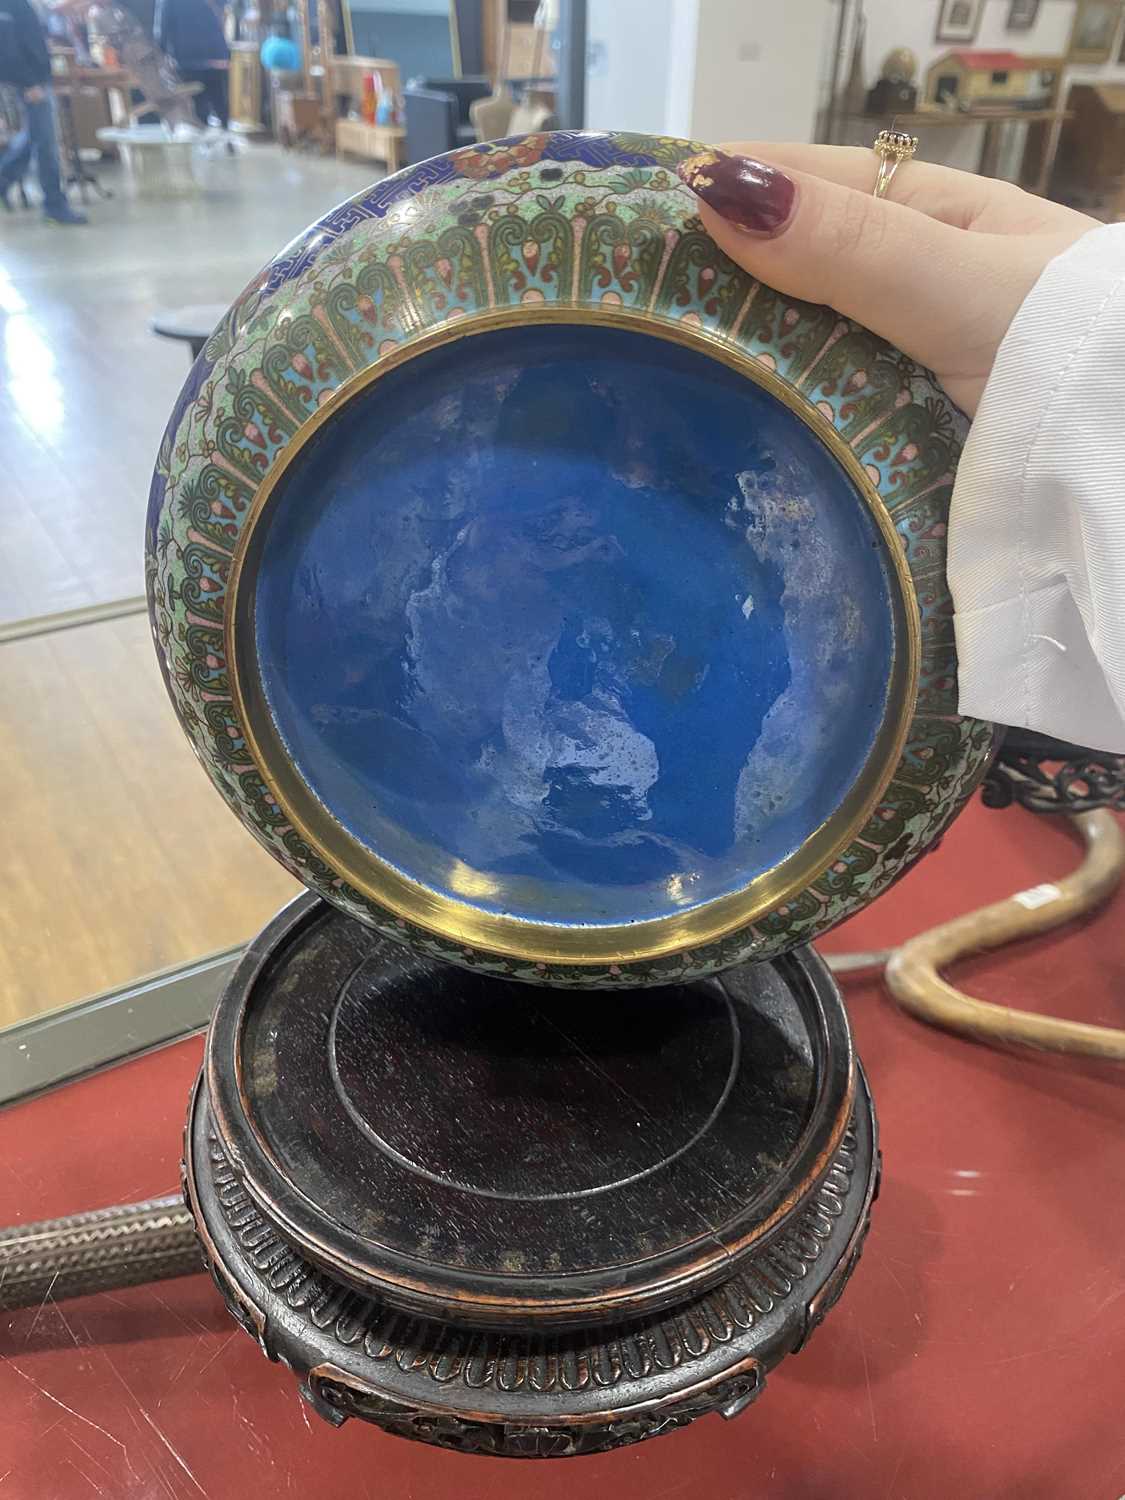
x=939, y=267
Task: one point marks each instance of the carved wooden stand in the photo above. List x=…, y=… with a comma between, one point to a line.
x=516, y=1221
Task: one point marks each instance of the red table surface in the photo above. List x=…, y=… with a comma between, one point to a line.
x=978, y=1352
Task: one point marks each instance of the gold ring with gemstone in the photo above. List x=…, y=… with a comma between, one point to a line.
x=891, y=147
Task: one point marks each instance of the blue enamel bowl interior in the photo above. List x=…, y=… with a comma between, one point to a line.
x=573, y=623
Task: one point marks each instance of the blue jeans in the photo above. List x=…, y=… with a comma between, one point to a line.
x=38, y=136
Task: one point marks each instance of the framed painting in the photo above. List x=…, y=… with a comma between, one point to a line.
x=958, y=20
x=1095, y=27
x=1022, y=15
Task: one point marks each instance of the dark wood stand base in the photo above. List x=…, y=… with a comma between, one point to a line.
x=517, y=1221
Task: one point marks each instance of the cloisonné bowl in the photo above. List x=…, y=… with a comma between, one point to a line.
x=548, y=594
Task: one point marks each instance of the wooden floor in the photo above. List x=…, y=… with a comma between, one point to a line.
x=85, y=388
x=119, y=858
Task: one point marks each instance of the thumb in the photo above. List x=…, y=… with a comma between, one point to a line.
x=942, y=294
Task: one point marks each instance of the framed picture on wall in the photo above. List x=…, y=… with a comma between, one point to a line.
x=958, y=20
x=1022, y=14
x=1095, y=27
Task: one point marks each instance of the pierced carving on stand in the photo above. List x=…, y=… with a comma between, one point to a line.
x=533, y=1394
x=411, y=1334
x=544, y=1440
x=1046, y=775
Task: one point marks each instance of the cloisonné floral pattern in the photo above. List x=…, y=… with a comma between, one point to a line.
x=567, y=218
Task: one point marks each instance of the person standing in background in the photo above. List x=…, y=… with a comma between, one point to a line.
x=191, y=33
x=26, y=65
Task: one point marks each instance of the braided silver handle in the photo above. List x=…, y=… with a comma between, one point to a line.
x=96, y=1252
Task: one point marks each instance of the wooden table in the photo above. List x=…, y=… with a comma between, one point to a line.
x=114, y=83
x=1090, y=166
x=378, y=142
x=106, y=78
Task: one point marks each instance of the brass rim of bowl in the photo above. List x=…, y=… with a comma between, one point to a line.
x=518, y=937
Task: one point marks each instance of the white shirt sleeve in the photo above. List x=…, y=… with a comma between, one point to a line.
x=1037, y=524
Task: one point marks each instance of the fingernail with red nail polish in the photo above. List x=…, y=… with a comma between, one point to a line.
x=755, y=197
